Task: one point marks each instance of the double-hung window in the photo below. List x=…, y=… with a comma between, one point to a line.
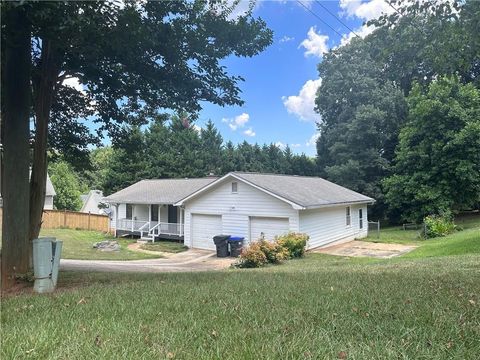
x=348, y=217
x=360, y=218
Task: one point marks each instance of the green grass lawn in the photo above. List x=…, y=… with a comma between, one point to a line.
x=312, y=308
x=165, y=246
x=424, y=305
x=77, y=244
x=466, y=241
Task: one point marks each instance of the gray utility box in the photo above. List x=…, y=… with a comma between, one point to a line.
x=46, y=262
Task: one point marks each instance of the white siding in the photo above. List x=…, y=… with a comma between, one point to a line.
x=236, y=208
x=48, y=205
x=122, y=211
x=140, y=212
x=329, y=225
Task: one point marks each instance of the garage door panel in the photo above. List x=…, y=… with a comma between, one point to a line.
x=204, y=228
x=270, y=227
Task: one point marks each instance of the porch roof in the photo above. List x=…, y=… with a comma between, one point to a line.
x=158, y=191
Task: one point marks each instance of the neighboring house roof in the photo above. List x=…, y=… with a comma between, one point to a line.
x=162, y=191
x=302, y=192
x=49, y=190
x=91, y=201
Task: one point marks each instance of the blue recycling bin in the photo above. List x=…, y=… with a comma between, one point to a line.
x=236, y=245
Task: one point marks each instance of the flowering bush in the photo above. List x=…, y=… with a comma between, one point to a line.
x=273, y=251
x=438, y=225
x=251, y=256
x=261, y=252
x=294, y=243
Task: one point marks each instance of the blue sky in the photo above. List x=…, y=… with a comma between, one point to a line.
x=281, y=82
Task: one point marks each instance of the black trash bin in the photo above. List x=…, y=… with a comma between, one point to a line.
x=221, y=244
x=236, y=245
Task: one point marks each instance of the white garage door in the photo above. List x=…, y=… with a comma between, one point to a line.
x=270, y=227
x=204, y=228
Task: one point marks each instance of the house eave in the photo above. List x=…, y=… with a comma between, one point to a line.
x=342, y=203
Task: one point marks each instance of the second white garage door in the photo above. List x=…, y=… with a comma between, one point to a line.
x=270, y=227
x=204, y=228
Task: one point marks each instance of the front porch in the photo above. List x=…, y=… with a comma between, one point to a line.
x=149, y=221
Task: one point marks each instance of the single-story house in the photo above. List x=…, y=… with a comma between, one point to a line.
x=242, y=204
x=49, y=194
x=93, y=203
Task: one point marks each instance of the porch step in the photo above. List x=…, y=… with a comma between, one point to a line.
x=145, y=239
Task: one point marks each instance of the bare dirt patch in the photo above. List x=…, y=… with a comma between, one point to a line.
x=366, y=249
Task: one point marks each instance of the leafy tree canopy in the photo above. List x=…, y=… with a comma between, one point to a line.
x=67, y=186
x=438, y=158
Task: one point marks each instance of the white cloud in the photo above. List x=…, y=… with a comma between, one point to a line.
x=74, y=82
x=362, y=32
x=303, y=104
x=237, y=122
x=365, y=10
x=197, y=128
x=241, y=8
x=315, y=44
x=295, y=145
x=249, y=132
x=280, y=145
x=313, y=139
x=286, y=38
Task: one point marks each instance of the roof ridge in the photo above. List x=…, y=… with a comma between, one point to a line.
x=276, y=174
x=197, y=178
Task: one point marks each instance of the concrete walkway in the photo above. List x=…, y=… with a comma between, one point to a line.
x=366, y=249
x=190, y=260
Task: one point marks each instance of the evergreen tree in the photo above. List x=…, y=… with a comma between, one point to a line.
x=128, y=164
x=211, y=149
x=185, y=149
x=159, y=154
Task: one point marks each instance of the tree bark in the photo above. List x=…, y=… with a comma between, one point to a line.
x=15, y=139
x=44, y=89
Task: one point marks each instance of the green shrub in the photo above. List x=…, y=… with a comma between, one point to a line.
x=438, y=225
x=251, y=256
x=274, y=252
x=294, y=243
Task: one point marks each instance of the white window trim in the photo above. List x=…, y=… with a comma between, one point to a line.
x=236, y=186
x=348, y=218
x=360, y=218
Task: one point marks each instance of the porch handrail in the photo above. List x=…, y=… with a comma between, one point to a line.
x=150, y=231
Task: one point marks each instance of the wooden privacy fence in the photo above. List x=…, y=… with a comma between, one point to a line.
x=53, y=219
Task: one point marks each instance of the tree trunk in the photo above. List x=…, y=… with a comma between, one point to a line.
x=44, y=89
x=15, y=139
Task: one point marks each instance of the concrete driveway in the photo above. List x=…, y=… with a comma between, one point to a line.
x=187, y=261
x=366, y=249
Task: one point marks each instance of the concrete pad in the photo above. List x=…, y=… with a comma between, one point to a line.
x=366, y=249
x=187, y=261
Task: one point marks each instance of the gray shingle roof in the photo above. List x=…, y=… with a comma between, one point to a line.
x=162, y=191
x=49, y=190
x=306, y=191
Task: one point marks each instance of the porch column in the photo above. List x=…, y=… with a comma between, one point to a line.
x=181, y=220
x=133, y=217
x=149, y=216
x=116, y=219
